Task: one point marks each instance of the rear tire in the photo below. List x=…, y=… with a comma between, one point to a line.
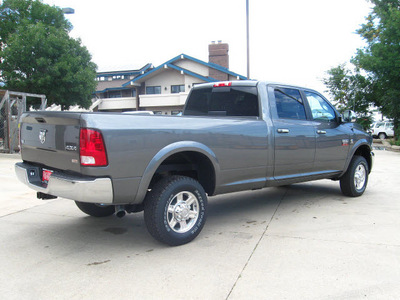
x=95, y=210
x=354, y=181
x=175, y=210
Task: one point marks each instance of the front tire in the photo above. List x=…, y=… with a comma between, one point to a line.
x=354, y=181
x=382, y=136
x=95, y=210
x=175, y=210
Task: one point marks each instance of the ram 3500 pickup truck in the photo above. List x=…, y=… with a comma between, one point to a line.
x=233, y=136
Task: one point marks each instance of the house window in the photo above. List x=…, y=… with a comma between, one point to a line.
x=114, y=94
x=118, y=77
x=151, y=90
x=177, y=89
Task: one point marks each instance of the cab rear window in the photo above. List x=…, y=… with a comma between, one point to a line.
x=223, y=101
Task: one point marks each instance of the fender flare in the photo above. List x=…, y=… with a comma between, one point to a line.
x=167, y=151
x=357, y=145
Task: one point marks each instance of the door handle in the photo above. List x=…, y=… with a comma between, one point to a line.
x=321, y=131
x=281, y=130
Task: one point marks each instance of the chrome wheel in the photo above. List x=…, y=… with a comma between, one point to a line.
x=354, y=182
x=175, y=210
x=360, y=176
x=183, y=212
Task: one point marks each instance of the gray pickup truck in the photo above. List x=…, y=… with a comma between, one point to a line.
x=233, y=136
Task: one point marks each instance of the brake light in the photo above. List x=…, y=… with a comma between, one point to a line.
x=19, y=136
x=92, y=149
x=222, y=84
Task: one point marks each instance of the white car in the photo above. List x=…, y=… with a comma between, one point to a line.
x=382, y=130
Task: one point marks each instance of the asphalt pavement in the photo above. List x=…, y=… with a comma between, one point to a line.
x=304, y=241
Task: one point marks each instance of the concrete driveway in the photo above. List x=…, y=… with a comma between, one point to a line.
x=306, y=241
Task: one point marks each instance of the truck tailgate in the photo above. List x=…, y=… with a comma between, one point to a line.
x=51, y=139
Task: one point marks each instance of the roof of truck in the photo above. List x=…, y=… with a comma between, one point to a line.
x=249, y=83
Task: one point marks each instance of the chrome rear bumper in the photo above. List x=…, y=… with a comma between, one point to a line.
x=83, y=189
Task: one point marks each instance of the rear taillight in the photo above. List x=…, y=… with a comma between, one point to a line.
x=92, y=149
x=19, y=136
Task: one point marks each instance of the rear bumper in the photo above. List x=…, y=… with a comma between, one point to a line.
x=83, y=189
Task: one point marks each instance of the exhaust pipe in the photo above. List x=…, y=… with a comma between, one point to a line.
x=120, y=211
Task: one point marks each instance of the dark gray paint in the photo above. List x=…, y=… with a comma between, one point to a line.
x=246, y=153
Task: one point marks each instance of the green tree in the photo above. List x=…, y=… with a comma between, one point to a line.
x=338, y=84
x=16, y=13
x=380, y=58
x=38, y=56
x=350, y=90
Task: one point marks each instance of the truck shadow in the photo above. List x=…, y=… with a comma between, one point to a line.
x=111, y=234
x=267, y=199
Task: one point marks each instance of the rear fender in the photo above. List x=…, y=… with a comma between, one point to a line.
x=166, y=152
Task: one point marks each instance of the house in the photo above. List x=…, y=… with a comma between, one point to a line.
x=162, y=89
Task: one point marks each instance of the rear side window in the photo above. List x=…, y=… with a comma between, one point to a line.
x=289, y=104
x=223, y=101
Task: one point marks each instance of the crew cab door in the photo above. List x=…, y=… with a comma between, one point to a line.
x=333, y=139
x=294, y=133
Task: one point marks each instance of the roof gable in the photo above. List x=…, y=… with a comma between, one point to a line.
x=170, y=64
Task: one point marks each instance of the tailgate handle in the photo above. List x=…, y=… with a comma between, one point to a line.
x=281, y=130
x=40, y=120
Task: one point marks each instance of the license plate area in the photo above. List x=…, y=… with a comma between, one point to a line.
x=46, y=175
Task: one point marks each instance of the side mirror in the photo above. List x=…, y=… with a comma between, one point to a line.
x=349, y=116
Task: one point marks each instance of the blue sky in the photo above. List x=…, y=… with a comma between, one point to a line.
x=290, y=41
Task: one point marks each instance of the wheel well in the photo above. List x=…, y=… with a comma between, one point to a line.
x=366, y=153
x=191, y=164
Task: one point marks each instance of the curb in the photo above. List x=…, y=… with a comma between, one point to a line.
x=386, y=145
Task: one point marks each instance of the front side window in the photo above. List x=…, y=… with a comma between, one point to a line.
x=320, y=109
x=289, y=104
x=151, y=90
x=177, y=89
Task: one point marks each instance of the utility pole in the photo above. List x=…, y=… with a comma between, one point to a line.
x=247, y=37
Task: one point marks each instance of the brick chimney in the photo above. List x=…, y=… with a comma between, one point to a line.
x=218, y=54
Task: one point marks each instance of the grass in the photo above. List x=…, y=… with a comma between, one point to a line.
x=394, y=142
